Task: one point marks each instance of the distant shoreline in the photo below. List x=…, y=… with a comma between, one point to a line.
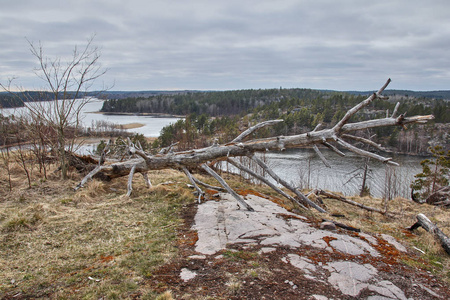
x=155, y=115
x=129, y=126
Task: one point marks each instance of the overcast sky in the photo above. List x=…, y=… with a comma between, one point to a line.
x=226, y=45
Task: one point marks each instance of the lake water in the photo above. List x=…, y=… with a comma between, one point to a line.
x=152, y=125
x=301, y=167
x=304, y=169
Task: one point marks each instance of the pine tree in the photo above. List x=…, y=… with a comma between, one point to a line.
x=434, y=174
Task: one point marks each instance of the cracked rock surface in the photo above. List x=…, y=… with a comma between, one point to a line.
x=352, y=265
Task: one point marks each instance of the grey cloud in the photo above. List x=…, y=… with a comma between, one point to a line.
x=241, y=44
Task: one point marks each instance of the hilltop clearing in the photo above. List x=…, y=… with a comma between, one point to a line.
x=97, y=243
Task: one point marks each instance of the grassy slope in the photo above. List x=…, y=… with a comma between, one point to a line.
x=98, y=243
x=54, y=242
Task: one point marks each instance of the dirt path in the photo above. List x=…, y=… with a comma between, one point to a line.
x=228, y=253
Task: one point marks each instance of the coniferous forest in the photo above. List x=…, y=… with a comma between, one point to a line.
x=223, y=114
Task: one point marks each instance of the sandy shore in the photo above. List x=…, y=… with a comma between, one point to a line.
x=96, y=140
x=155, y=115
x=129, y=126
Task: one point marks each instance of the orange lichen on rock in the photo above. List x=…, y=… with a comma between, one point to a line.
x=245, y=192
x=211, y=192
x=281, y=203
x=188, y=238
x=387, y=250
x=328, y=239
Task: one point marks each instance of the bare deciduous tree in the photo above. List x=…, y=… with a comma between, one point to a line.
x=68, y=80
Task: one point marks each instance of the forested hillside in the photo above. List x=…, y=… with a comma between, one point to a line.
x=222, y=114
x=270, y=103
x=301, y=111
x=224, y=103
x=9, y=100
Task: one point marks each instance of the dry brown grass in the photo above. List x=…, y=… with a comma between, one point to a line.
x=404, y=213
x=90, y=244
x=95, y=243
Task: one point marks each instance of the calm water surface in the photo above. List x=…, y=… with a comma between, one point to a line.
x=301, y=167
x=152, y=125
x=304, y=169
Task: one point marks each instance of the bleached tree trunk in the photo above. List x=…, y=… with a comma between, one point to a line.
x=238, y=148
x=348, y=201
x=425, y=223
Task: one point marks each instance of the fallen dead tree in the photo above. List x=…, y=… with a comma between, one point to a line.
x=330, y=195
x=200, y=158
x=425, y=223
x=440, y=198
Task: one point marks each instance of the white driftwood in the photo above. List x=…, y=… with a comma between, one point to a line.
x=238, y=147
x=365, y=153
x=168, y=149
x=227, y=187
x=130, y=180
x=365, y=141
x=148, y=183
x=196, y=157
x=359, y=106
x=97, y=169
x=263, y=179
x=426, y=224
x=252, y=129
x=302, y=197
x=322, y=158
x=348, y=201
x=191, y=179
x=394, y=113
x=333, y=148
x=208, y=186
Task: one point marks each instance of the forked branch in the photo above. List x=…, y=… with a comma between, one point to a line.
x=195, y=158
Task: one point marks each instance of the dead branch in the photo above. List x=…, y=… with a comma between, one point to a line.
x=365, y=141
x=359, y=106
x=365, y=153
x=263, y=179
x=168, y=149
x=252, y=129
x=301, y=197
x=148, y=183
x=208, y=186
x=130, y=180
x=227, y=187
x=441, y=197
x=237, y=148
x=348, y=201
x=425, y=223
x=321, y=156
x=191, y=179
x=394, y=113
x=333, y=148
x=97, y=169
x=342, y=225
